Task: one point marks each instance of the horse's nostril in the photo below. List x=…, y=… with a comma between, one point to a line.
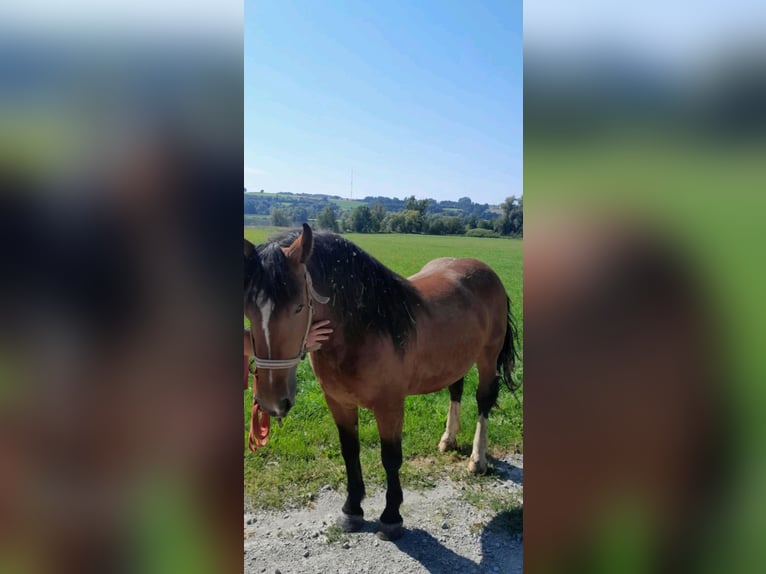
x=286, y=405
x=281, y=410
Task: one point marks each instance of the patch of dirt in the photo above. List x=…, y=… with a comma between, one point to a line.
x=460, y=526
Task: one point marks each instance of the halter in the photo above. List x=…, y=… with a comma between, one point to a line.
x=273, y=364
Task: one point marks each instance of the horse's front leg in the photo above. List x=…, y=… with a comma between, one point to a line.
x=390, y=419
x=347, y=420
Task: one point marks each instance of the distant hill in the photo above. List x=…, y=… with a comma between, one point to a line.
x=385, y=214
x=257, y=203
x=261, y=203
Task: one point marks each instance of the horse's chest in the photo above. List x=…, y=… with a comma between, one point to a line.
x=359, y=382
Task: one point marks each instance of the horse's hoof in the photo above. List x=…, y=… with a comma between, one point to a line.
x=390, y=532
x=350, y=522
x=445, y=445
x=477, y=466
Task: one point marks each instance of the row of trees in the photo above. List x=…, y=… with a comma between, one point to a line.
x=295, y=207
x=262, y=203
x=463, y=207
x=413, y=218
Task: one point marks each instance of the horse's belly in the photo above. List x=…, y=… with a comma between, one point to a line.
x=435, y=379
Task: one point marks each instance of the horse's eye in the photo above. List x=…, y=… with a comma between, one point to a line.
x=299, y=308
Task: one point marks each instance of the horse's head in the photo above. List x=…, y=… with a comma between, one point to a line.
x=279, y=304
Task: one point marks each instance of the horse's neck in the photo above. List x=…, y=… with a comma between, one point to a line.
x=322, y=312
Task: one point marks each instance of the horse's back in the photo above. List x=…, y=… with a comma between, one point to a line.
x=443, y=264
x=458, y=277
x=464, y=321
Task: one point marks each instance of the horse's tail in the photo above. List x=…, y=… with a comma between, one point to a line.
x=506, y=360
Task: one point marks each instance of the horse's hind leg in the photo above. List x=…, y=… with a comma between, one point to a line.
x=390, y=419
x=486, y=396
x=347, y=420
x=449, y=438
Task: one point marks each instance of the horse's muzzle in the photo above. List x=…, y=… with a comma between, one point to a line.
x=281, y=411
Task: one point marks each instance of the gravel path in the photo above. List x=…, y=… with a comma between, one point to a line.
x=444, y=532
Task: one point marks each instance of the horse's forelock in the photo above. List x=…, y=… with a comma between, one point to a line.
x=271, y=277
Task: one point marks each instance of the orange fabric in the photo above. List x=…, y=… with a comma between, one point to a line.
x=260, y=421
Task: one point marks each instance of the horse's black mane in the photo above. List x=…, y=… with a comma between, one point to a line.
x=366, y=296
x=267, y=272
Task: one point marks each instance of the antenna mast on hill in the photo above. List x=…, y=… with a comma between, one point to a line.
x=351, y=195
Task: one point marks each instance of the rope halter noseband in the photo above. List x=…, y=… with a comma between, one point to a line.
x=273, y=364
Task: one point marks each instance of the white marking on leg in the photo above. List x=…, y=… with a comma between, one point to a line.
x=453, y=418
x=479, y=455
x=449, y=439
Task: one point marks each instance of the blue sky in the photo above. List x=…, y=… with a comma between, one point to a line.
x=419, y=100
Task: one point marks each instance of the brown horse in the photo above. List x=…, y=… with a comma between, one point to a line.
x=393, y=338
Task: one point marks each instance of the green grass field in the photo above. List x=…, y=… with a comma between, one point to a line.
x=305, y=454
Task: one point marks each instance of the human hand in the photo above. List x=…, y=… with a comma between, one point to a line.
x=320, y=331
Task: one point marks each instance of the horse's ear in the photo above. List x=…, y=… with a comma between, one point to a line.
x=300, y=249
x=251, y=262
x=249, y=249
